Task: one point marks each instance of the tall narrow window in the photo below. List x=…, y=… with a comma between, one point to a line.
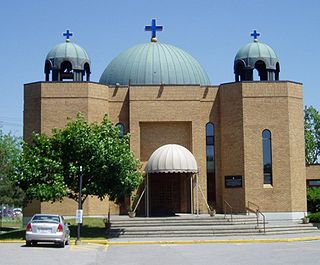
x=121, y=128
x=267, y=157
x=210, y=153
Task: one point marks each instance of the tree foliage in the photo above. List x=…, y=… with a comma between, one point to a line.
x=49, y=167
x=313, y=199
x=9, y=153
x=312, y=134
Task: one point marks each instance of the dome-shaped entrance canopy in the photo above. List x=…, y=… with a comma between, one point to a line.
x=154, y=63
x=172, y=158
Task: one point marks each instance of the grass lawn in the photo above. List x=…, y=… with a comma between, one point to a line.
x=8, y=222
x=92, y=228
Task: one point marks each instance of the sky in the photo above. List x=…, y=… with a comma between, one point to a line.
x=211, y=31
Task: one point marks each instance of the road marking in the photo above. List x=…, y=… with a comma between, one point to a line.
x=106, y=248
x=84, y=247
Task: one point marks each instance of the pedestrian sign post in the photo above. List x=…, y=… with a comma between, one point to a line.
x=79, y=214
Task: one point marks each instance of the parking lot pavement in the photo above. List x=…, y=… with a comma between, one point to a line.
x=19, y=254
x=233, y=253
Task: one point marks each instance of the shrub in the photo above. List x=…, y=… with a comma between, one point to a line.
x=313, y=199
x=314, y=217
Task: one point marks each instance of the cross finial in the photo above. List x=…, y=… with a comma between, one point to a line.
x=153, y=28
x=255, y=34
x=67, y=34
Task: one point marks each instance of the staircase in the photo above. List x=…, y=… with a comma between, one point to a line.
x=200, y=226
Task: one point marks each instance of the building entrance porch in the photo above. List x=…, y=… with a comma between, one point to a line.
x=170, y=193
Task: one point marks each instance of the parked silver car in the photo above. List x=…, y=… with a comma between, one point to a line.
x=47, y=228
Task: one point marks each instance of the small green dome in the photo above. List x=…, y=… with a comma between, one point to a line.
x=68, y=51
x=257, y=51
x=154, y=63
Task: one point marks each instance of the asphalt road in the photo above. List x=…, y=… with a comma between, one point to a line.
x=232, y=253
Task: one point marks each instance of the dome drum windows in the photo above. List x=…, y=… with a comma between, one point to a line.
x=256, y=56
x=67, y=61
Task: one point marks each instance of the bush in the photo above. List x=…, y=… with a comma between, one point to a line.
x=313, y=200
x=314, y=217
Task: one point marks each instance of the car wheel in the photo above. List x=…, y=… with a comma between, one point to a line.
x=68, y=241
x=28, y=243
x=62, y=244
x=34, y=243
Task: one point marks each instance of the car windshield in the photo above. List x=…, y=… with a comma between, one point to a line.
x=46, y=218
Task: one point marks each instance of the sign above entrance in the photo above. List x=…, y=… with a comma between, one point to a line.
x=233, y=181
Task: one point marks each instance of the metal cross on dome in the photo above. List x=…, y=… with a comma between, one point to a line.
x=153, y=28
x=255, y=34
x=67, y=34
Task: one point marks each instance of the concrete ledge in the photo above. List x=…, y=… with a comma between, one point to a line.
x=283, y=216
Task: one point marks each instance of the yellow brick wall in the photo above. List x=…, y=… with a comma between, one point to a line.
x=157, y=115
x=313, y=171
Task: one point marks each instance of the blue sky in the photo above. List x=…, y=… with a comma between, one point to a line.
x=212, y=31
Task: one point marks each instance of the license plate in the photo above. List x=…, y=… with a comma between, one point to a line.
x=44, y=230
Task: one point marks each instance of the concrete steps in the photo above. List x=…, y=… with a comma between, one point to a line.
x=202, y=226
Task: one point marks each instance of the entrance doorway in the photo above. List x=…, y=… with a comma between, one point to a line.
x=170, y=193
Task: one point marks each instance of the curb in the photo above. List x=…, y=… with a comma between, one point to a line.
x=184, y=242
x=219, y=241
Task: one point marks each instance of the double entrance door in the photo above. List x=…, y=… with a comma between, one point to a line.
x=169, y=193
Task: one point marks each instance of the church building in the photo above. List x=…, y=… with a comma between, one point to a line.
x=236, y=145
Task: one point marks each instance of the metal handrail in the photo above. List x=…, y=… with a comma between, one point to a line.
x=225, y=209
x=204, y=198
x=264, y=220
x=256, y=205
x=141, y=195
x=257, y=212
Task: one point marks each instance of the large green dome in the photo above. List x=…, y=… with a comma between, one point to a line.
x=154, y=63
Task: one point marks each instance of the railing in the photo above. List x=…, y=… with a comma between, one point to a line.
x=225, y=206
x=264, y=221
x=138, y=202
x=204, y=198
x=257, y=212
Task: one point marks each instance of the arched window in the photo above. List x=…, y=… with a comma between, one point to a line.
x=277, y=71
x=261, y=68
x=240, y=72
x=210, y=159
x=121, y=128
x=267, y=157
x=87, y=71
x=47, y=69
x=66, y=71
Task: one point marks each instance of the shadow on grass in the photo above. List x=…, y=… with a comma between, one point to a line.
x=88, y=232
x=13, y=235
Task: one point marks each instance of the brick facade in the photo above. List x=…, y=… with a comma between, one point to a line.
x=162, y=114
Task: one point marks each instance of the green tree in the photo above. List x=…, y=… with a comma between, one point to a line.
x=313, y=199
x=9, y=153
x=312, y=134
x=49, y=167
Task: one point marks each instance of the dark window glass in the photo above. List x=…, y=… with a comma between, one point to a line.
x=210, y=153
x=210, y=158
x=210, y=166
x=210, y=140
x=267, y=157
x=313, y=183
x=121, y=128
x=209, y=129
